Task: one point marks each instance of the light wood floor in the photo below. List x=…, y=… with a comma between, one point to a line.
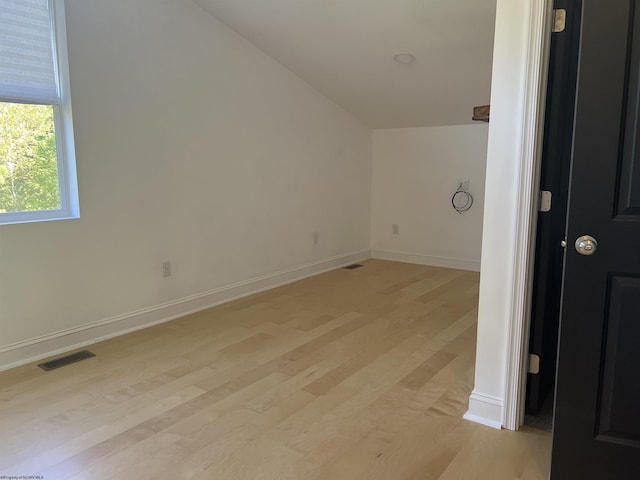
x=349, y=375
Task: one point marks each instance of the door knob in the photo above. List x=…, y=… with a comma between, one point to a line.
x=586, y=245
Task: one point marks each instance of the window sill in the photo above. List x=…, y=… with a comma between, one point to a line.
x=33, y=217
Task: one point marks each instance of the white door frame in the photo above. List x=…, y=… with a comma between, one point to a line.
x=521, y=58
x=532, y=137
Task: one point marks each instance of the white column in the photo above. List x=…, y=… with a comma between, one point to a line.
x=519, y=80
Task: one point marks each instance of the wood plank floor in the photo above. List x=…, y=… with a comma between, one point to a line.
x=348, y=375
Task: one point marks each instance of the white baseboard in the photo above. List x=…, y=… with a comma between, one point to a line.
x=431, y=260
x=62, y=341
x=485, y=409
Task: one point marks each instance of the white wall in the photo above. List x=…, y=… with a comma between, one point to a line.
x=192, y=146
x=415, y=173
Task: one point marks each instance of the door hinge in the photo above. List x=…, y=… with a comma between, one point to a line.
x=545, y=201
x=534, y=364
x=559, y=20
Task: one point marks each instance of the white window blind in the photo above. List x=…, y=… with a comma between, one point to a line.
x=27, y=71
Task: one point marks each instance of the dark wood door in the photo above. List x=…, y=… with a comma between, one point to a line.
x=597, y=412
x=554, y=178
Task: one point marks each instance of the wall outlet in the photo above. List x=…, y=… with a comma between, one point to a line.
x=166, y=269
x=395, y=229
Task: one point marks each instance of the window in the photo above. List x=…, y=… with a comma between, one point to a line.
x=37, y=159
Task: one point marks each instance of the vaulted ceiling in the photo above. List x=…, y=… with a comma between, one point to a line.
x=345, y=49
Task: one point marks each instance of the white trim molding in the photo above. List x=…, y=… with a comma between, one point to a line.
x=431, y=260
x=487, y=410
x=540, y=17
x=35, y=349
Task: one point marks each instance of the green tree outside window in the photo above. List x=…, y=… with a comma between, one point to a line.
x=28, y=162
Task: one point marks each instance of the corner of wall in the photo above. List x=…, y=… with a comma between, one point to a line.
x=509, y=211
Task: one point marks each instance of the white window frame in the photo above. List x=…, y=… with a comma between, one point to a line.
x=63, y=122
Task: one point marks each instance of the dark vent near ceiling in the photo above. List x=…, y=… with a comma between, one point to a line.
x=66, y=360
x=354, y=266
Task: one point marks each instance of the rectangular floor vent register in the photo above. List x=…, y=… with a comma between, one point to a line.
x=66, y=360
x=354, y=266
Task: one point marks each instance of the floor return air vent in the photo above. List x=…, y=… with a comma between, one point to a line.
x=353, y=267
x=66, y=360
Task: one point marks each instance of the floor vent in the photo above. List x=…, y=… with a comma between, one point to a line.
x=66, y=360
x=353, y=267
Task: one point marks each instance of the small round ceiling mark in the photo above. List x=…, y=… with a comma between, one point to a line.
x=404, y=58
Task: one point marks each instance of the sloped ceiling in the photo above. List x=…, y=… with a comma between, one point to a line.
x=345, y=48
